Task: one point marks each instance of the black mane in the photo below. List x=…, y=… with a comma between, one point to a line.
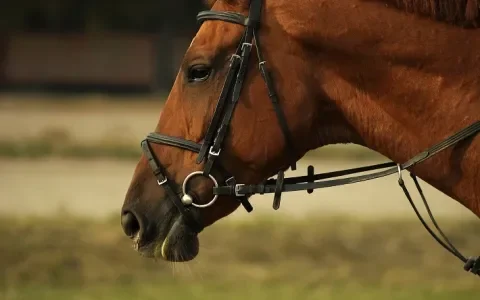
x=457, y=12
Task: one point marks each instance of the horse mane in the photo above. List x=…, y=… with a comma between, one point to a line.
x=456, y=12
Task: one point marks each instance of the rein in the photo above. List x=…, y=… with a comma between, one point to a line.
x=211, y=147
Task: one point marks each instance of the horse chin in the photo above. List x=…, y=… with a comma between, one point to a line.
x=180, y=245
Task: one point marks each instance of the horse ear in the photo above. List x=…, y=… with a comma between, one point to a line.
x=209, y=3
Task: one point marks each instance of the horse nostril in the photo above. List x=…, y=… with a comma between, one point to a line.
x=130, y=224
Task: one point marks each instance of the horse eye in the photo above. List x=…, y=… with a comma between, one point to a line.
x=198, y=73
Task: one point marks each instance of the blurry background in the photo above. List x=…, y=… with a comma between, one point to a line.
x=81, y=83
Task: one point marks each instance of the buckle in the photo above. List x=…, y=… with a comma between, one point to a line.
x=237, y=190
x=162, y=182
x=213, y=152
x=249, y=45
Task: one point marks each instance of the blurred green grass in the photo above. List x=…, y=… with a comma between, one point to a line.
x=67, y=257
x=57, y=142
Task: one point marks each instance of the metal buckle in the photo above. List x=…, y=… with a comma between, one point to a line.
x=249, y=45
x=200, y=173
x=237, y=190
x=162, y=182
x=213, y=153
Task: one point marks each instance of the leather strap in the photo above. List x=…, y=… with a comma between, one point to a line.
x=252, y=23
x=173, y=141
x=245, y=48
x=161, y=178
x=302, y=183
x=272, y=94
x=169, y=188
x=213, y=127
x=225, y=16
x=278, y=190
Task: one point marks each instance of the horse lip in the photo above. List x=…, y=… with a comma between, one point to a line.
x=148, y=238
x=164, y=243
x=178, y=229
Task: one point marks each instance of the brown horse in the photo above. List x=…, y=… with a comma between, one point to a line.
x=344, y=71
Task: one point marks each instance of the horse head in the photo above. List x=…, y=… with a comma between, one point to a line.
x=258, y=88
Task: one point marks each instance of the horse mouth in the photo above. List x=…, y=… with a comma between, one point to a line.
x=177, y=243
x=181, y=244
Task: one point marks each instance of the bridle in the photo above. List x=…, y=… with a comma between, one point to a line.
x=211, y=148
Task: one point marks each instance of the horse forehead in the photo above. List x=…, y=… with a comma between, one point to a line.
x=214, y=34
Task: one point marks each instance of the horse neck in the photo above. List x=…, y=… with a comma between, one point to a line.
x=403, y=84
